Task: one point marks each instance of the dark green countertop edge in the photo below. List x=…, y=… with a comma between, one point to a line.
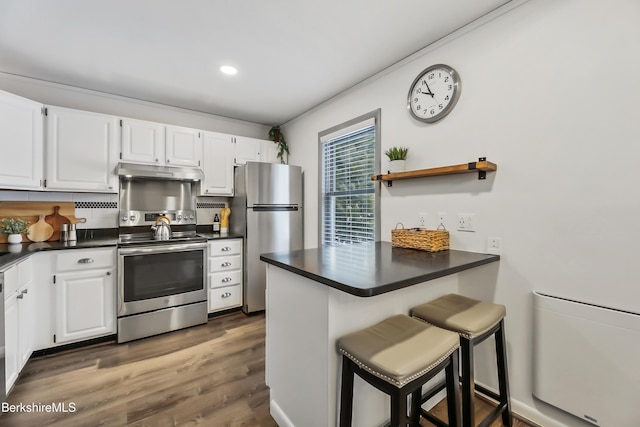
x=380, y=288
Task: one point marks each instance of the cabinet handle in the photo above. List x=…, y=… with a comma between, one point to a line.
x=226, y=279
x=85, y=260
x=20, y=296
x=225, y=264
x=168, y=160
x=24, y=291
x=226, y=295
x=157, y=160
x=226, y=248
x=108, y=273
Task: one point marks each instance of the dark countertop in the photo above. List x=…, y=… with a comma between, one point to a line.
x=18, y=252
x=369, y=269
x=11, y=254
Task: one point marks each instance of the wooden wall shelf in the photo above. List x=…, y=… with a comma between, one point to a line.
x=482, y=166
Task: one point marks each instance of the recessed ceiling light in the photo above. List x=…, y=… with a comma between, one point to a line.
x=227, y=69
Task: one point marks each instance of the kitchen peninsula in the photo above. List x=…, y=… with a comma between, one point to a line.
x=314, y=296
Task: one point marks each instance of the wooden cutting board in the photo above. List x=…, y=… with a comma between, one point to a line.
x=40, y=231
x=31, y=211
x=55, y=220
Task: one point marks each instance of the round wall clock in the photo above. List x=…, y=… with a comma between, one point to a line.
x=434, y=93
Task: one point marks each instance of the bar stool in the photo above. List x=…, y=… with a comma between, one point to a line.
x=474, y=321
x=397, y=356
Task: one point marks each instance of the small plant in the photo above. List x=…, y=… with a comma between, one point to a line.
x=275, y=134
x=14, y=226
x=397, y=153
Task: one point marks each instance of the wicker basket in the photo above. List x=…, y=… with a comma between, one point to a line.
x=422, y=239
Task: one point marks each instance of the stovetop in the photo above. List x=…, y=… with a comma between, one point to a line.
x=148, y=239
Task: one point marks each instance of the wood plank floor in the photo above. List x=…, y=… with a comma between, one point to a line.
x=210, y=375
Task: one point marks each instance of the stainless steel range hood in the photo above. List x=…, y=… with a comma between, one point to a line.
x=133, y=171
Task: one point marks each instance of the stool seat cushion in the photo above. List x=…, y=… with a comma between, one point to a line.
x=399, y=349
x=467, y=316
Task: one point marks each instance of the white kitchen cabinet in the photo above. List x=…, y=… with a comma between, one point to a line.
x=247, y=149
x=19, y=319
x=84, y=294
x=21, y=142
x=183, y=146
x=255, y=150
x=142, y=142
x=225, y=274
x=269, y=152
x=217, y=164
x=81, y=151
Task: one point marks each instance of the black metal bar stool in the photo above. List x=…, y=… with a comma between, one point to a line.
x=397, y=356
x=474, y=321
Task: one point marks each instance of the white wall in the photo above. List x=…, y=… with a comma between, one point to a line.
x=549, y=93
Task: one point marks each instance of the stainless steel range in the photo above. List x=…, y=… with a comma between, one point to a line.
x=161, y=277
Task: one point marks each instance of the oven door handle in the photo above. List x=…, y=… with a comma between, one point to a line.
x=156, y=249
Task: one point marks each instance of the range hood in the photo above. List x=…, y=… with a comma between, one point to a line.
x=133, y=171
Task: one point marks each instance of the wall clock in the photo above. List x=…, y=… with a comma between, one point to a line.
x=434, y=93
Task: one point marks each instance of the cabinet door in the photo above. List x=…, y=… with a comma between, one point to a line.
x=26, y=323
x=85, y=305
x=142, y=142
x=183, y=146
x=81, y=151
x=247, y=150
x=20, y=142
x=12, y=351
x=217, y=164
x=269, y=152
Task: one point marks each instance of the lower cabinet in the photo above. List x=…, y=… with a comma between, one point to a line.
x=19, y=318
x=225, y=274
x=85, y=295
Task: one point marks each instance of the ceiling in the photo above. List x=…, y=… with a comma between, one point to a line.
x=291, y=55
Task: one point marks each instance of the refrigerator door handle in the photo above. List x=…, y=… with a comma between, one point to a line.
x=275, y=208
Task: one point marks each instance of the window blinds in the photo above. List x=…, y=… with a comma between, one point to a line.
x=348, y=193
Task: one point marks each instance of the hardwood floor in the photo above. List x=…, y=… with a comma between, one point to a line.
x=210, y=375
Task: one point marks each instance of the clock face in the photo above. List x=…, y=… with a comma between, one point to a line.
x=434, y=93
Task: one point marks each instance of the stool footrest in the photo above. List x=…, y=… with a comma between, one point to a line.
x=433, y=420
x=495, y=413
x=493, y=395
x=437, y=388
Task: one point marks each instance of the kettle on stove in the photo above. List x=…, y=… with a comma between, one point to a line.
x=162, y=229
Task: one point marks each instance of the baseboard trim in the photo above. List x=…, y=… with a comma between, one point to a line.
x=278, y=415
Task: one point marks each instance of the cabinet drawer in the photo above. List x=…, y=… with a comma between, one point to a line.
x=225, y=247
x=225, y=263
x=227, y=278
x=73, y=260
x=227, y=297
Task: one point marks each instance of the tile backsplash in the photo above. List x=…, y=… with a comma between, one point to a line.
x=101, y=210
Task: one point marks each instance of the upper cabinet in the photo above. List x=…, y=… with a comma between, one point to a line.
x=21, y=142
x=142, y=142
x=160, y=144
x=217, y=164
x=81, y=151
x=183, y=146
x=254, y=150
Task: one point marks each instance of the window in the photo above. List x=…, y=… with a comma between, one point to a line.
x=349, y=205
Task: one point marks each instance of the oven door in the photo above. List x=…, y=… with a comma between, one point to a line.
x=160, y=276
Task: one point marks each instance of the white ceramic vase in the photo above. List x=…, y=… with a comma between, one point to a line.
x=14, y=238
x=397, y=166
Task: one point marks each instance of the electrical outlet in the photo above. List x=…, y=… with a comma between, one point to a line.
x=494, y=245
x=466, y=222
x=422, y=219
x=442, y=219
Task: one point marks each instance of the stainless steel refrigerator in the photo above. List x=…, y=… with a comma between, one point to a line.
x=267, y=211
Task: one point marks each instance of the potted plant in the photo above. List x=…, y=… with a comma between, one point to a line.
x=275, y=134
x=14, y=229
x=397, y=157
